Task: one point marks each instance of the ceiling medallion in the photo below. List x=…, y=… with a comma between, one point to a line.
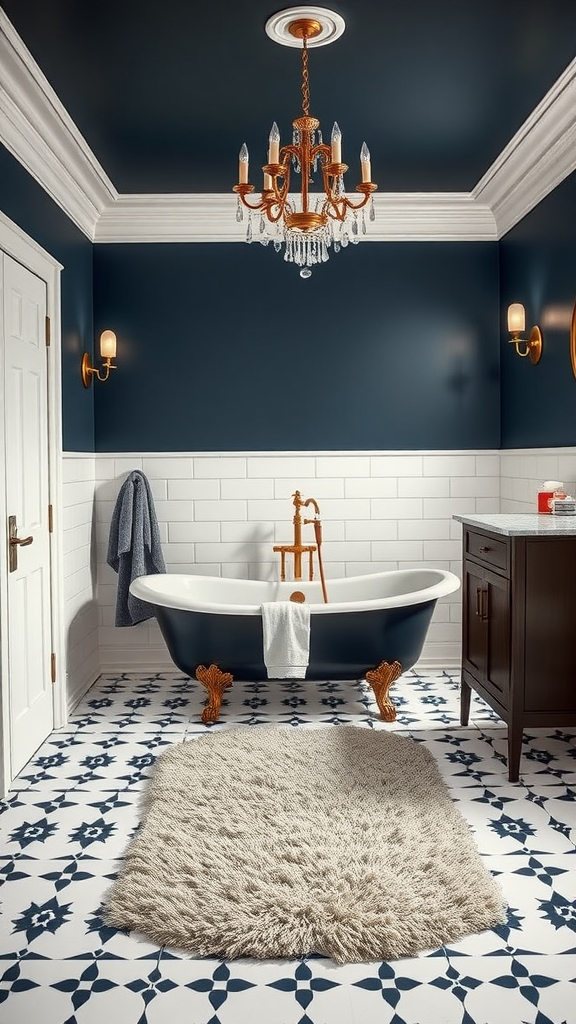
x=308, y=224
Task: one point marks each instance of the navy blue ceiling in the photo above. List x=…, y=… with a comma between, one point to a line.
x=165, y=93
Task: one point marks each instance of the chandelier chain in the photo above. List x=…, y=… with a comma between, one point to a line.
x=305, y=80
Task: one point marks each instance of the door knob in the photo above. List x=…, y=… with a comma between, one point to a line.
x=14, y=541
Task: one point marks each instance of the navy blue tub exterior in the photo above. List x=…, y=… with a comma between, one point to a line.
x=343, y=645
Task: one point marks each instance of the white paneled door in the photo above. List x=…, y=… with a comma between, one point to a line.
x=29, y=660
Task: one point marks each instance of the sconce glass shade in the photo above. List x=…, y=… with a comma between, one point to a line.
x=108, y=345
x=107, y=353
x=516, y=318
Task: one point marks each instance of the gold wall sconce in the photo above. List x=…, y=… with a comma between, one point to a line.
x=107, y=352
x=532, y=346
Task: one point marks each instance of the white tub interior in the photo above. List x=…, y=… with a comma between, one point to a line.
x=217, y=595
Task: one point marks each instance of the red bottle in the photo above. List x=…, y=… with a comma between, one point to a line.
x=550, y=489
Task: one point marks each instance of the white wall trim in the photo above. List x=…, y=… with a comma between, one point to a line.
x=38, y=131
x=156, y=659
x=134, y=659
x=537, y=158
x=80, y=685
x=212, y=218
x=447, y=658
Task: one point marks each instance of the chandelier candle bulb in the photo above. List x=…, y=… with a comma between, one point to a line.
x=365, y=163
x=336, y=144
x=243, y=165
x=274, y=145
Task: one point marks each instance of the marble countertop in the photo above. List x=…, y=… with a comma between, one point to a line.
x=529, y=524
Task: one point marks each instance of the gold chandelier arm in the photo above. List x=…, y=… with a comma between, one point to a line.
x=276, y=171
x=244, y=190
x=272, y=202
x=288, y=151
x=323, y=151
x=337, y=208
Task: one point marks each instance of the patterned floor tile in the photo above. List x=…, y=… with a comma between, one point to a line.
x=70, y=815
x=50, y=825
x=510, y=822
x=53, y=910
x=95, y=760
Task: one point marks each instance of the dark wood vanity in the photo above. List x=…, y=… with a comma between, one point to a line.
x=519, y=621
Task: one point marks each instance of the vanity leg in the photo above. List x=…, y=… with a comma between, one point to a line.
x=381, y=680
x=514, y=750
x=215, y=682
x=465, y=694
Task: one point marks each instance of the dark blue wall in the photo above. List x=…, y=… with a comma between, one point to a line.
x=26, y=203
x=538, y=268
x=222, y=347
x=388, y=346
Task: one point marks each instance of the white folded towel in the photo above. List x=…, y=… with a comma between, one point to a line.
x=286, y=636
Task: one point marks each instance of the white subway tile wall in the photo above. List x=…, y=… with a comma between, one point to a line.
x=80, y=590
x=523, y=471
x=221, y=515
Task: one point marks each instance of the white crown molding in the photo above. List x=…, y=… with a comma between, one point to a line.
x=37, y=130
x=540, y=156
x=212, y=218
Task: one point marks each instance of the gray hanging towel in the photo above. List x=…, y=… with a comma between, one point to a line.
x=134, y=546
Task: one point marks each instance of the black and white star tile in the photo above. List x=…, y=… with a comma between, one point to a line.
x=71, y=813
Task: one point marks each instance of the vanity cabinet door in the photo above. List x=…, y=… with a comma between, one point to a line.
x=486, y=632
x=474, y=638
x=497, y=618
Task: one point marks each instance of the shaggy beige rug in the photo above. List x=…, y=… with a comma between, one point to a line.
x=279, y=842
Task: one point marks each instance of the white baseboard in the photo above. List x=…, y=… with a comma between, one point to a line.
x=78, y=686
x=438, y=657
x=444, y=658
x=136, y=659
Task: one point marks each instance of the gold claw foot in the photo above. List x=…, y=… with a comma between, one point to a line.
x=215, y=682
x=381, y=680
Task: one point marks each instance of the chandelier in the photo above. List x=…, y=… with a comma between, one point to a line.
x=310, y=223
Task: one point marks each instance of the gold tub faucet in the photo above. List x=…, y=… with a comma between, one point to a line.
x=297, y=549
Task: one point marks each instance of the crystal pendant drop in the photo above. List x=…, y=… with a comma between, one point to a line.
x=355, y=224
x=277, y=245
x=249, y=230
x=262, y=224
x=372, y=211
x=305, y=272
x=364, y=229
x=296, y=142
x=239, y=211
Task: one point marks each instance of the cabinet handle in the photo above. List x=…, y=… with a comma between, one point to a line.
x=484, y=605
x=484, y=549
x=478, y=608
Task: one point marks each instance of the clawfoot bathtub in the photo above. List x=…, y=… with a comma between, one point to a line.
x=373, y=627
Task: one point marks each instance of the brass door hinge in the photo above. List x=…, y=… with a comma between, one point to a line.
x=50, y=519
x=53, y=667
x=47, y=322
